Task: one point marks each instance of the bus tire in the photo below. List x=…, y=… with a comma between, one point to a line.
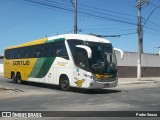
x=64, y=83
x=18, y=78
x=13, y=77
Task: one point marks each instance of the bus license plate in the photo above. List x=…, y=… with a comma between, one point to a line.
x=106, y=85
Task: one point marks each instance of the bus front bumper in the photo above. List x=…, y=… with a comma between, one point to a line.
x=98, y=84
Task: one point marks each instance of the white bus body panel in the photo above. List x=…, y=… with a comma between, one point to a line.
x=77, y=76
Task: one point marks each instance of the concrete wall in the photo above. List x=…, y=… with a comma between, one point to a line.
x=1, y=66
x=128, y=66
x=130, y=59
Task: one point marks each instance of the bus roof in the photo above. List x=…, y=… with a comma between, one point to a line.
x=65, y=36
x=34, y=42
x=80, y=37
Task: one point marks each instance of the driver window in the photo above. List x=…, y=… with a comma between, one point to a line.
x=97, y=55
x=81, y=60
x=61, y=50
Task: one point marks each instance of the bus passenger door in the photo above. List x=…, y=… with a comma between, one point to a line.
x=81, y=61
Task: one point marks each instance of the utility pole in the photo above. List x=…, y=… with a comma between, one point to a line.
x=75, y=16
x=140, y=36
x=139, y=30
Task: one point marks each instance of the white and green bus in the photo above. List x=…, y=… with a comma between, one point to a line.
x=69, y=60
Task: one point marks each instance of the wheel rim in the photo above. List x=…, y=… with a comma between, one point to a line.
x=65, y=84
x=13, y=77
x=19, y=78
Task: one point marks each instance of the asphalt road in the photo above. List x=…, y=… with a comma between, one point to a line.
x=40, y=97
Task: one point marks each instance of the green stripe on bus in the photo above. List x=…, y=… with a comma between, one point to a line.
x=55, y=40
x=42, y=67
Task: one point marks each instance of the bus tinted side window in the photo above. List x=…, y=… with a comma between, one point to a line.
x=51, y=50
x=7, y=54
x=38, y=50
x=72, y=45
x=60, y=50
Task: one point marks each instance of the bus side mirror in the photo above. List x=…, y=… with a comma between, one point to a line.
x=120, y=51
x=87, y=49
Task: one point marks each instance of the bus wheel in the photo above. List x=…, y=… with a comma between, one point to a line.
x=18, y=78
x=64, y=83
x=13, y=77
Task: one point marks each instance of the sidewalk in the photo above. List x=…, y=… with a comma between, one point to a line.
x=125, y=81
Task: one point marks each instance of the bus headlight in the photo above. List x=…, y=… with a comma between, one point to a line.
x=95, y=77
x=104, y=77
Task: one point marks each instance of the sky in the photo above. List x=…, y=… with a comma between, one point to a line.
x=26, y=20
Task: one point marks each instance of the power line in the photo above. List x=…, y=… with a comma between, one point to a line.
x=152, y=29
x=87, y=12
x=151, y=14
x=48, y=5
x=80, y=12
x=94, y=10
x=128, y=33
x=118, y=35
x=153, y=24
x=105, y=14
x=114, y=12
x=100, y=9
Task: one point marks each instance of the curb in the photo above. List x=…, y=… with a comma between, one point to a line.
x=138, y=82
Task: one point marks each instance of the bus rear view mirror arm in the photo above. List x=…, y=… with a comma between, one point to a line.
x=121, y=52
x=88, y=50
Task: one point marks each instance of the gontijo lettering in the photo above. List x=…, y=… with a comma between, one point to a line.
x=21, y=62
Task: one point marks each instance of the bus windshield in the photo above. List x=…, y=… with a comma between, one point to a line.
x=103, y=59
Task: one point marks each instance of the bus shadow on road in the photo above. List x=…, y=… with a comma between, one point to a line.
x=73, y=90
x=94, y=91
